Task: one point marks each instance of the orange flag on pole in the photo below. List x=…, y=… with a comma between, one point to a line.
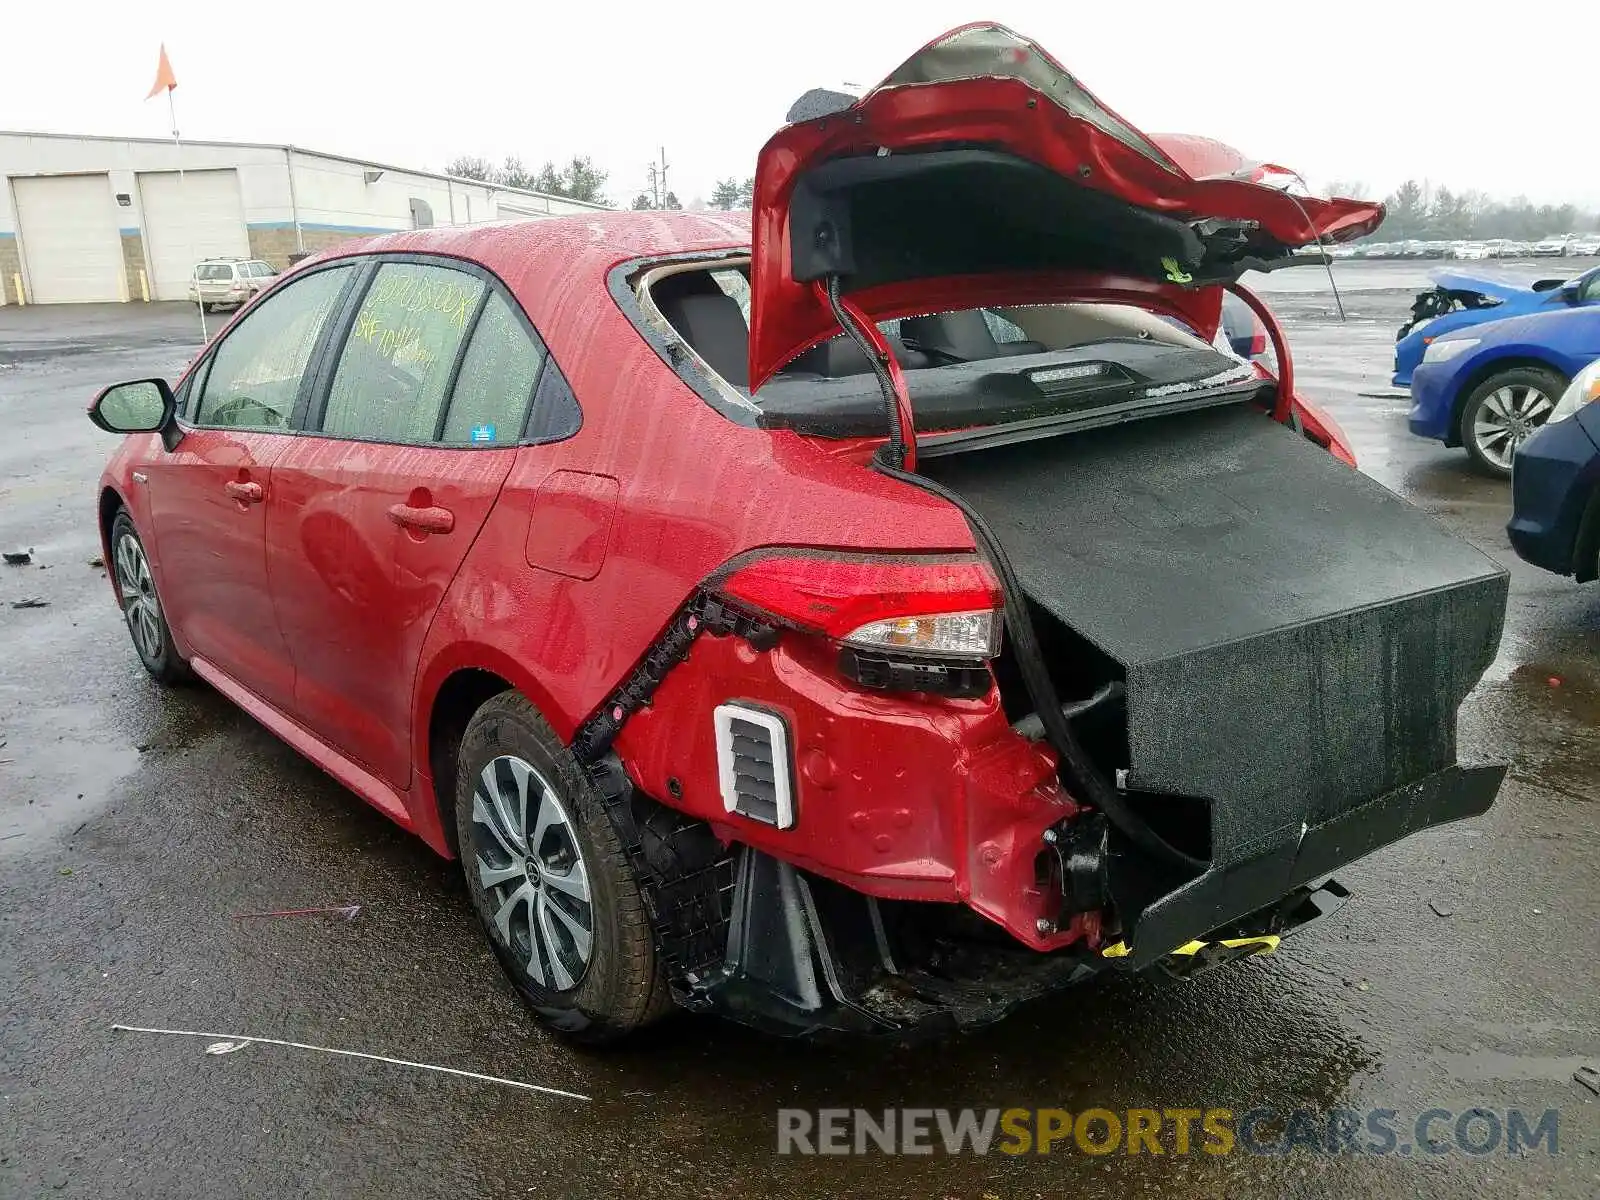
x=165, y=79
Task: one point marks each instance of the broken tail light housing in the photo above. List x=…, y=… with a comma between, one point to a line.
x=917, y=623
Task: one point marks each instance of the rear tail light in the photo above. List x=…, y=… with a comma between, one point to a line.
x=934, y=605
x=973, y=635
x=917, y=623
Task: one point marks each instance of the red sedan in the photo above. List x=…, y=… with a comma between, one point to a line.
x=867, y=624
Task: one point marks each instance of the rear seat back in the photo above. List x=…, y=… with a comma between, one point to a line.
x=713, y=325
x=963, y=335
x=840, y=357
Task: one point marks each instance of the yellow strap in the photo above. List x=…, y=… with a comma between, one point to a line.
x=1176, y=273
x=1266, y=943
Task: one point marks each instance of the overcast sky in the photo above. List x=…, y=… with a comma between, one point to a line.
x=1359, y=91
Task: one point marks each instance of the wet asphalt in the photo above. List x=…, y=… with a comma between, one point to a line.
x=136, y=824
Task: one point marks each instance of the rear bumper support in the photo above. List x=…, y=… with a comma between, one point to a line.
x=807, y=957
x=1224, y=895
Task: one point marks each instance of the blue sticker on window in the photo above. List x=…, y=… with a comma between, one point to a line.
x=483, y=433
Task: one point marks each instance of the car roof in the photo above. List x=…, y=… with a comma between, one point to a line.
x=546, y=260
x=610, y=237
x=557, y=267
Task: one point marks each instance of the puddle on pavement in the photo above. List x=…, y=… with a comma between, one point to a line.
x=1497, y=1066
x=66, y=760
x=1542, y=718
x=706, y=1087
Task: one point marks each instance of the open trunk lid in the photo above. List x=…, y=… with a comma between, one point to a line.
x=980, y=157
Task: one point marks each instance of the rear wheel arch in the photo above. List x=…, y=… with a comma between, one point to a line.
x=1586, y=546
x=451, y=686
x=455, y=703
x=1487, y=370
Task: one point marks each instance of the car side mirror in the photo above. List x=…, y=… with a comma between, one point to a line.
x=1572, y=291
x=142, y=406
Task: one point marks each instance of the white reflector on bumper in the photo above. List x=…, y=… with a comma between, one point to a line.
x=753, y=764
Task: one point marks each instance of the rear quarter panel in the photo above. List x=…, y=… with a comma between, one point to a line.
x=693, y=489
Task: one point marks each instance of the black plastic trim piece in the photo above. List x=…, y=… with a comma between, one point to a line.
x=926, y=676
x=685, y=875
x=461, y=357
x=703, y=614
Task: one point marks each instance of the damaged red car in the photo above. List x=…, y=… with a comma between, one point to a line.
x=865, y=619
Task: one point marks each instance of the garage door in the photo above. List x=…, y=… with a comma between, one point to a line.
x=187, y=218
x=70, y=244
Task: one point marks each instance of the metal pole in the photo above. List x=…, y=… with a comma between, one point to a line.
x=177, y=143
x=294, y=204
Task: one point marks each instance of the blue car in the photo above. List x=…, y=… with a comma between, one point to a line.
x=1458, y=300
x=1555, y=487
x=1489, y=387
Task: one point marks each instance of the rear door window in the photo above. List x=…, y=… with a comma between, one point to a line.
x=254, y=376
x=394, y=371
x=490, y=403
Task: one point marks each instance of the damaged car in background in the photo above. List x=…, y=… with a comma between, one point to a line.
x=1458, y=299
x=864, y=621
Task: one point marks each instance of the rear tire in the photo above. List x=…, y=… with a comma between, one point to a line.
x=141, y=605
x=549, y=880
x=1504, y=411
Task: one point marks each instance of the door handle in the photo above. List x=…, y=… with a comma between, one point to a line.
x=244, y=491
x=423, y=520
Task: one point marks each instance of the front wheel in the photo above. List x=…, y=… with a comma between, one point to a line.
x=1504, y=411
x=549, y=879
x=141, y=606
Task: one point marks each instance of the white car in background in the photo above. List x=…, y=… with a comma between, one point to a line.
x=1584, y=243
x=229, y=282
x=1469, y=250
x=1550, y=247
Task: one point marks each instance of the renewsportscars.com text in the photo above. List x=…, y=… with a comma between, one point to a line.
x=1168, y=1131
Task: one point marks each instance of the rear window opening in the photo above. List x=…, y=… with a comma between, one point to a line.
x=966, y=368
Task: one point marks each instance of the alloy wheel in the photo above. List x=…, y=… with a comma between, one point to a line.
x=1506, y=418
x=531, y=868
x=140, y=606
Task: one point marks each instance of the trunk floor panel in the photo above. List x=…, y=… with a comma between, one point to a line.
x=1295, y=638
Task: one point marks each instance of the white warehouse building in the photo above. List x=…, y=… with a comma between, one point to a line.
x=85, y=219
